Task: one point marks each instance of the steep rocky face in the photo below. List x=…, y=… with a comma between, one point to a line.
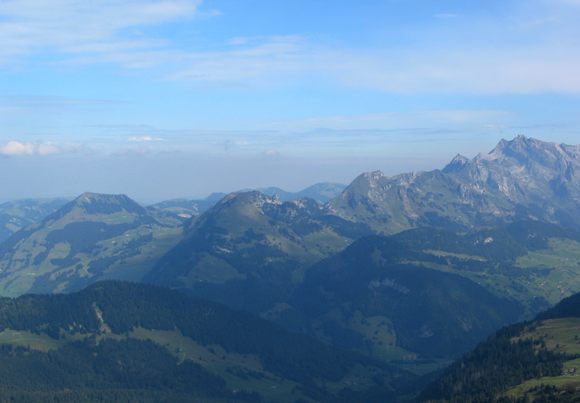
x=94, y=236
x=390, y=205
x=523, y=178
x=528, y=173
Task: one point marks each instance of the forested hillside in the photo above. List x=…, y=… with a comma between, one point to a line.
x=129, y=342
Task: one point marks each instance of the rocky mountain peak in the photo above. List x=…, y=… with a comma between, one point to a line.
x=367, y=180
x=374, y=176
x=456, y=164
x=366, y=183
x=251, y=197
x=526, y=154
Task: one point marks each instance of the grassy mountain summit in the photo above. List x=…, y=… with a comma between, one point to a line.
x=186, y=208
x=252, y=247
x=92, y=237
x=118, y=341
x=519, y=179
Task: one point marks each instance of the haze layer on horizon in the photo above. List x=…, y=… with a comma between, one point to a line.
x=181, y=98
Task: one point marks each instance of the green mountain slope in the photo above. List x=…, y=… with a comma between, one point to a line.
x=127, y=342
x=249, y=249
x=372, y=298
x=529, y=362
x=93, y=237
x=418, y=298
x=18, y=214
x=535, y=263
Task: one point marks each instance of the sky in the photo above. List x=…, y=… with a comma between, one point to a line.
x=161, y=99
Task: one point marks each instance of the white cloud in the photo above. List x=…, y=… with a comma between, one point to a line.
x=144, y=139
x=18, y=148
x=272, y=153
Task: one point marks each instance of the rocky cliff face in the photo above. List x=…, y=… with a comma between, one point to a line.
x=523, y=178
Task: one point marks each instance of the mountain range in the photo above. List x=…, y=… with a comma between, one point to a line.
x=185, y=208
x=260, y=254
x=413, y=270
x=524, y=178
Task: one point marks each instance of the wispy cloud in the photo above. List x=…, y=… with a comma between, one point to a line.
x=449, y=119
x=270, y=58
x=50, y=102
x=533, y=48
x=70, y=26
x=536, y=69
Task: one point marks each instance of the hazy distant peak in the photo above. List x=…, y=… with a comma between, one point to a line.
x=216, y=196
x=304, y=203
x=374, y=175
x=457, y=163
x=321, y=192
x=325, y=185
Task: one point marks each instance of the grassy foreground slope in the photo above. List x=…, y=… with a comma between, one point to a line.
x=536, y=361
x=131, y=342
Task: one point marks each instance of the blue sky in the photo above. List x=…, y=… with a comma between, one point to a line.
x=178, y=98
